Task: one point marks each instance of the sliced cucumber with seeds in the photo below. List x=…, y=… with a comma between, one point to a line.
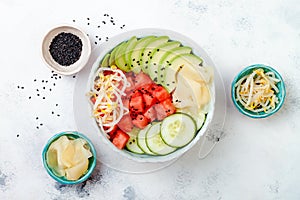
x=132, y=142
x=141, y=140
x=178, y=130
x=155, y=143
x=105, y=61
x=199, y=117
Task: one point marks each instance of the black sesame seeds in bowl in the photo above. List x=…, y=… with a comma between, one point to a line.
x=66, y=49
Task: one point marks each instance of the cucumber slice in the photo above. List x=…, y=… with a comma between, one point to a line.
x=178, y=130
x=105, y=61
x=155, y=143
x=199, y=117
x=132, y=142
x=141, y=140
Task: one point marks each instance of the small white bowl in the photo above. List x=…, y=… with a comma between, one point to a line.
x=80, y=63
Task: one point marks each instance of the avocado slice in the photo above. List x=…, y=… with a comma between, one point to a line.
x=155, y=57
x=105, y=61
x=113, y=53
x=131, y=44
x=120, y=57
x=136, y=52
x=183, y=64
x=165, y=61
x=148, y=49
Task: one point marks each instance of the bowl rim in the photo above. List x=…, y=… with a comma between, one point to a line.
x=196, y=49
x=83, y=37
x=59, y=179
x=238, y=77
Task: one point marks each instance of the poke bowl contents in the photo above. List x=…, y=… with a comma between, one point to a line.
x=150, y=95
x=69, y=157
x=258, y=91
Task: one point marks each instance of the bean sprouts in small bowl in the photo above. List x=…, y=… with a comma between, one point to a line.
x=258, y=91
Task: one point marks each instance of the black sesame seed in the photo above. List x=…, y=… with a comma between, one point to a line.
x=38, y=94
x=46, y=81
x=96, y=43
x=88, y=18
x=22, y=88
x=41, y=124
x=50, y=89
x=74, y=76
x=130, y=142
x=133, y=59
x=18, y=135
x=168, y=84
x=43, y=81
x=34, y=80
x=88, y=23
x=52, y=113
x=161, y=76
x=73, y=20
x=37, y=118
x=29, y=97
x=169, y=64
x=37, y=127
x=155, y=72
x=43, y=97
x=53, y=84
x=44, y=88
x=98, y=26
x=59, y=77
x=96, y=36
x=125, y=64
x=157, y=50
x=146, y=62
x=103, y=22
x=58, y=115
x=56, y=104
x=18, y=86
x=66, y=48
x=173, y=82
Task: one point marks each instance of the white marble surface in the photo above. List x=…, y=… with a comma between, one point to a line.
x=258, y=159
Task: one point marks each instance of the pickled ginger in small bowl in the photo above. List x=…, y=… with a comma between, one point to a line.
x=69, y=157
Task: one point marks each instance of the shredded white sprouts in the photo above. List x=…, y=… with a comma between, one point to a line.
x=257, y=91
x=107, y=91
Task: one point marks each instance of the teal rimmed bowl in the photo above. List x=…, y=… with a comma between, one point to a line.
x=280, y=95
x=92, y=160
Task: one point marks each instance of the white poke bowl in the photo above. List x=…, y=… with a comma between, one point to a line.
x=185, y=41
